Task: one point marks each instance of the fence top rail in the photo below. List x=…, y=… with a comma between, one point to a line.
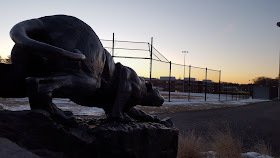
x=178, y=64
x=197, y=67
x=131, y=57
x=128, y=49
x=214, y=70
x=124, y=41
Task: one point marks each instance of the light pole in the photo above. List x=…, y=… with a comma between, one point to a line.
x=184, y=52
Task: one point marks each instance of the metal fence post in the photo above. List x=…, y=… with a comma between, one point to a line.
x=113, y=46
x=169, y=81
x=231, y=91
x=189, y=98
x=278, y=78
x=151, y=58
x=226, y=90
x=205, y=84
x=220, y=85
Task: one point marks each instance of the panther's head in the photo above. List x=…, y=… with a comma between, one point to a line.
x=151, y=96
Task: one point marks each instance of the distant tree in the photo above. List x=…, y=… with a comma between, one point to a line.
x=9, y=59
x=266, y=81
x=6, y=60
x=2, y=60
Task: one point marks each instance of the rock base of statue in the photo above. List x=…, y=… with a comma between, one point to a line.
x=36, y=132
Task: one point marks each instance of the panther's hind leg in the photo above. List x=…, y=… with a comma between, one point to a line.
x=40, y=91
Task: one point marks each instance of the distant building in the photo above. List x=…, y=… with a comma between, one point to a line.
x=265, y=92
x=208, y=81
x=167, y=78
x=191, y=79
x=147, y=79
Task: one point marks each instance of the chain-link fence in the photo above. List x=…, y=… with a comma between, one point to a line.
x=176, y=82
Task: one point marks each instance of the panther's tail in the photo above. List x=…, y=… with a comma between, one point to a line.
x=19, y=34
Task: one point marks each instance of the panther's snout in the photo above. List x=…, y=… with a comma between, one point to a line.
x=161, y=100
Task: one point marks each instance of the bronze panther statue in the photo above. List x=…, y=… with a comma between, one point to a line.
x=61, y=56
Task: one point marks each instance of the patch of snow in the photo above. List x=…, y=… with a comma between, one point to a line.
x=254, y=155
x=239, y=102
x=201, y=96
x=16, y=107
x=20, y=99
x=83, y=110
x=64, y=104
x=180, y=98
x=212, y=154
x=63, y=101
x=1, y=106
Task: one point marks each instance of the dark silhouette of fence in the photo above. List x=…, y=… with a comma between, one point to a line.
x=190, y=79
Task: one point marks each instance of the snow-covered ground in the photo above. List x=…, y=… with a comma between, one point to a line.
x=179, y=102
x=212, y=154
x=16, y=104
x=200, y=97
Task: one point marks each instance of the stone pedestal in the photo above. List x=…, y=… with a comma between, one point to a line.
x=39, y=134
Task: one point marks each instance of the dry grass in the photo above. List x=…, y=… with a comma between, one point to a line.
x=225, y=145
x=263, y=148
x=220, y=140
x=190, y=145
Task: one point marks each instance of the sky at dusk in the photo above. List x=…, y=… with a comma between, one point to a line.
x=238, y=37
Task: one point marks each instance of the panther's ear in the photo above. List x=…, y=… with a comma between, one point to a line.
x=149, y=85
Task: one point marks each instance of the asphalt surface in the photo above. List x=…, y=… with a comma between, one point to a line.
x=251, y=123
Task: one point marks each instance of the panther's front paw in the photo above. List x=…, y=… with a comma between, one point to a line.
x=118, y=118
